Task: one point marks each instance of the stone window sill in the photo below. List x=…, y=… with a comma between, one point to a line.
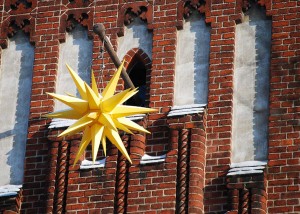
x=61, y=123
x=147, y=159
x=186, y=109
x=9, y=190
x=86, y=164
x=247, y=167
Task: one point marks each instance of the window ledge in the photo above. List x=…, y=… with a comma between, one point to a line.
x=247, y=167
x=86, y=164
x=9, y=190
x=60, y=123
x=136, y=117
x=147, y=159
x=186, y=109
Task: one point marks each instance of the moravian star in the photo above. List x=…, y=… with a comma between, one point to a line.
x=99, y=116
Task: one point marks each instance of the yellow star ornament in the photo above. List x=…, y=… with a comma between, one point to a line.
x=99, y=116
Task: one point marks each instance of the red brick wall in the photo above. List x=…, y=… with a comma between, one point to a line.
x=284, y=144
x=197, y=147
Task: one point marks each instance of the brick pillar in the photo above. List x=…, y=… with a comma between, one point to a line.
x=247, y=193
x=11, y=204
x=183, y=172
x=122, y=180
x=196, y=170
x=188, y=134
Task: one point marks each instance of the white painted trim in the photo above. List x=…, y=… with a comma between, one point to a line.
x=136, y=117
x=248, y=163
x=148, y=159
x=247, y=167
x=86, y=164
x=9, y=190
x=186, y=109
x=61, y=123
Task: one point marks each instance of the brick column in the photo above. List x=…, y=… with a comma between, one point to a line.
x=247, y=193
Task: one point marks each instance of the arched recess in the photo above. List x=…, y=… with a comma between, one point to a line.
x=192, y=54
x=15, y=91
x=251, y=85
x=76, y=51
x=13, y=24
x=130, y=11
x=138, y=66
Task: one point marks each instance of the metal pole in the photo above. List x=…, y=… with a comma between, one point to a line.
x=99, y=29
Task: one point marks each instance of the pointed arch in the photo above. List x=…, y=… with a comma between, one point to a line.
x=75, y=51
x=185, y=7
x=138, y=66
x=251, y=86
x=16, y=72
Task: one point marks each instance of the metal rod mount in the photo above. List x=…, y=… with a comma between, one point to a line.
x=99, y=29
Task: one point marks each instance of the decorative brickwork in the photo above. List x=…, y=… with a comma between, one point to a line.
x=183, y=172
x=141, y=55
x=244, y=5
x=10, y=27
x=61, y=178
x=77, y=3
x=73, y=17
x=144, y=58
x=14, y=7
x=247, y=193
x=122, y=180
x=190, y=163
x=185, y=8
x=152, y=188
x=128, y=12
x=11, y=204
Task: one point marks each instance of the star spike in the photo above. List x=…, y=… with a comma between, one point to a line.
x=92, y=98
x=112, y=85
x=86, y=138
x=78, y=82
x=77, y=126
x=94, y=84
x=97, y=131
x=75, y=103
x=115, y=139
x=124, y=111
x=67, y=114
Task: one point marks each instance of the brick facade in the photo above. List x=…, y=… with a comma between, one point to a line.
x=193, y=178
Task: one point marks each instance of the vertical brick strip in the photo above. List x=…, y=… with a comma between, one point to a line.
x=258, y=199
x=196, y=170
x=182, y=173
x=19, y=201
x=121, y=180
x=244, y=201
x=61, y=178
x=284, y=127
x=219, y=114
x=247, y=193
x=233, y=200
x=53, y=154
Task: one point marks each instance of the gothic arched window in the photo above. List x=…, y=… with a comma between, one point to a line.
x=137, y=73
